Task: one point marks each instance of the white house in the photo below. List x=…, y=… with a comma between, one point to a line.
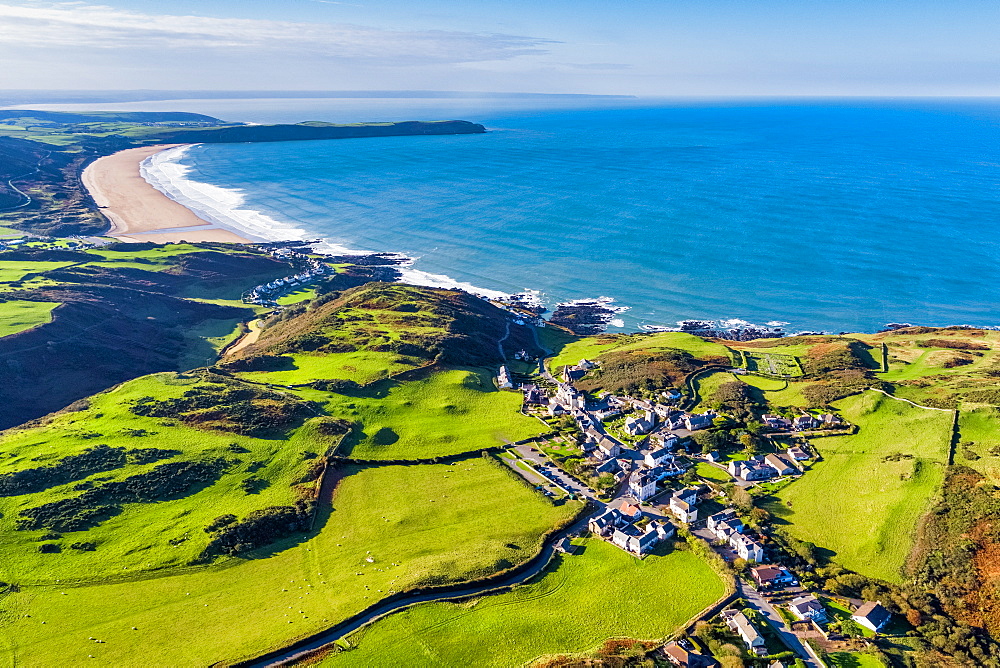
x=872, y=616
x=641, y=485
x=780, y=465
x=682, y=505
x=656, y=458
x=739, y=623
x=777, y=422
x=639, y=541
x=798, y=453
x=808, y=607
x=747, y=548
x=608, y=447
x=666, y=441
x=694, y=422
x=805, y=422
x=750, y=470
x=504, y=380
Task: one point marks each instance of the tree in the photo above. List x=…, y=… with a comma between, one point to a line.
x=606, y=482
x=710, y=441
x=742, y=499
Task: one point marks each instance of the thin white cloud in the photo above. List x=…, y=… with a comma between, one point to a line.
x=75, y=24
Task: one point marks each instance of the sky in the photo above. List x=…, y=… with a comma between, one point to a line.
x=658, y=48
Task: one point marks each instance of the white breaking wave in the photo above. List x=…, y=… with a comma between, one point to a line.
x=225, y=208
x=417, y=277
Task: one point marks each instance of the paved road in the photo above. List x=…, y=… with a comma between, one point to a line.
x=544, y=466
x=757, y=602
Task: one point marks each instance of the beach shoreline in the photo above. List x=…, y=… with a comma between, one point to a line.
x=138, y=212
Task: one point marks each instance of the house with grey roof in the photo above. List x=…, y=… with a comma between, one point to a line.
x=641, y=485
x=872, y=616
x=780, y=465
x=742, y=626
x=808, y=608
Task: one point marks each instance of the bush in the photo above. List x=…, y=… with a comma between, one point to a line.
x=228, y=406
x=338, y=385
x=258, y=529
x=258, y=363
x=82, y=512
x=97, y=459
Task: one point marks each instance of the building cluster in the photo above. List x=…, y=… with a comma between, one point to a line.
x=627, y=527
x=269, y=293
x=802, y=422
x=725, y=526
x=764, y=467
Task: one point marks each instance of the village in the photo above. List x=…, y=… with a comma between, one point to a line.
x=636, y=460
x=268, y=294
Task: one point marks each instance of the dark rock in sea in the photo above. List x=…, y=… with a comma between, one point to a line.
x=370, y=260
x=583, y=318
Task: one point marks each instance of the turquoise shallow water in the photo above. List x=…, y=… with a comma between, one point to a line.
x=830, y=216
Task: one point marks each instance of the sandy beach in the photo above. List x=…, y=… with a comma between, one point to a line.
x=138, y=211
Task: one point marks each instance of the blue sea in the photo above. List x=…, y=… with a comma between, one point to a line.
x=827, y=215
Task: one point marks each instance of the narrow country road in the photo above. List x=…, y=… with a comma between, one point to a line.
x=757, y=602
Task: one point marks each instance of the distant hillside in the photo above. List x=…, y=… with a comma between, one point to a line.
x=114, y=323
x=45, y=152
x=108, y=116
x=313, y=130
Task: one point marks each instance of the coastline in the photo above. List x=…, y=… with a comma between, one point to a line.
x=137, y=211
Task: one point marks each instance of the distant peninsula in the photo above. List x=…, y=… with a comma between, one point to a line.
x=44, y=153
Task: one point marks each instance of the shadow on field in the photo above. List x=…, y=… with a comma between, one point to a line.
x=324, y=509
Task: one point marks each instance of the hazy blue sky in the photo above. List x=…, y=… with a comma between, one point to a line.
x=641, y=47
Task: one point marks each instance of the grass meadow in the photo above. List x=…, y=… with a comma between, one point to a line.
x=595, y=346
x=138, y=539
x=15, y=270
x=16, y=316
x=584, y=599
x=389, y=528
x=777, y=393
x=443, y=413
x=362, y=366
x=981, y=427
x=858, y=504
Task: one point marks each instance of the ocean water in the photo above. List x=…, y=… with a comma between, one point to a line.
x=833, y=216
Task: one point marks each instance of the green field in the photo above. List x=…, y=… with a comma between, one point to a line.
x=15, y=270
x=776, y=392
x=594, y=346
x=300, y=295
x=981, y=426
x=362, y=366
x=586, y=598
x=444, y=413
x=138, y=539
x=417, y=524
x=709, y=472
x=856, y=503
x=853, y=660
x=16, y=316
